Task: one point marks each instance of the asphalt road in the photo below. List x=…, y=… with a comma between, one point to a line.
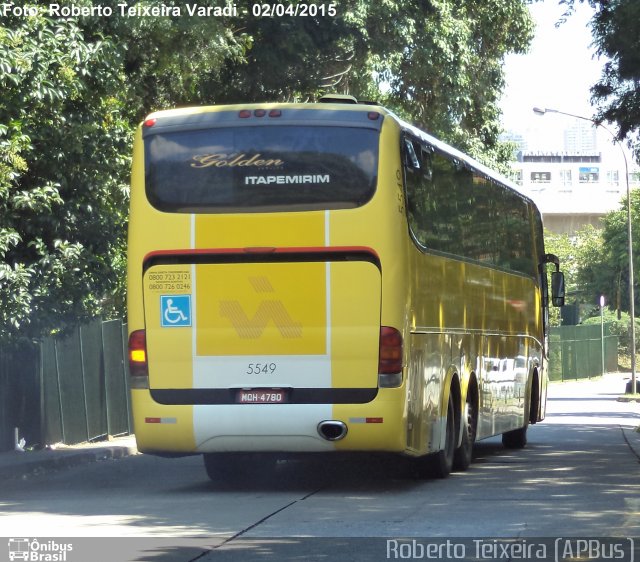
x=578, y=477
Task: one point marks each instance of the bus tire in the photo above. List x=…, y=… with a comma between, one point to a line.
x=216, y=466
x=441, y=463
x=238, y=466
x=515, y=439
x=225, y=466
x=469, y=420
x=534, y=407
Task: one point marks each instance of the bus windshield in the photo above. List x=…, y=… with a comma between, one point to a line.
x=261, y=168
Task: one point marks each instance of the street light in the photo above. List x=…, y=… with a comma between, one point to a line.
x=632, y=324
x=602, y=331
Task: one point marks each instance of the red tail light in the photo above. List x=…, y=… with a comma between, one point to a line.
x=390, y=361
x=246, y=113
x=138, y=354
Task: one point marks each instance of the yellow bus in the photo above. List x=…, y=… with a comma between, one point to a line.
x=309, y=278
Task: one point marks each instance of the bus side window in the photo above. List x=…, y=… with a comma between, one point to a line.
x=427, y=163
x=418, y=173
x=411, y=160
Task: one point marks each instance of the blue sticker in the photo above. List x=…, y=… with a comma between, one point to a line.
x=175, y=311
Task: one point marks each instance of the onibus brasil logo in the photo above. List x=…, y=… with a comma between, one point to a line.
x=38, y=551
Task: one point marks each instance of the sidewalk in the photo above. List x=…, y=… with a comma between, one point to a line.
x=609, y=389
x=14, y=464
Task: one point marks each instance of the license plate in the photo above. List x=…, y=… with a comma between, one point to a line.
x=261, y=396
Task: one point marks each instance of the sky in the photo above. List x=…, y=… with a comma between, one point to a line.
x=557, y=73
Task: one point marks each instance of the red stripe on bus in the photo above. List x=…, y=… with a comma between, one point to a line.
x=262, y=250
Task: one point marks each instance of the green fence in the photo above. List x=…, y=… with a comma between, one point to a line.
x=69, y=389
x=576, y=352
x=19, y=394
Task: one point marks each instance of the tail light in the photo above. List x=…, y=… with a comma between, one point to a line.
x=390, y=358
x=138, y=366
x=247, y=113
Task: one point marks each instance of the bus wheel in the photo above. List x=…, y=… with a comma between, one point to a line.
x=441, y=463
x=515, y=439
x=235, y=466
x=463, y=454
x=225, y=466
x=219, y=466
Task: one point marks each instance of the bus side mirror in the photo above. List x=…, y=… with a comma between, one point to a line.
x=557, y=288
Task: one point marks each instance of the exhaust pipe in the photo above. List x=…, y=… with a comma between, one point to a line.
x=332, y=430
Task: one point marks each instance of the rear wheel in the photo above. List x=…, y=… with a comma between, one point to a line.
x=230, y=466
x=441, y=463
x=222, y=466
x=464, y=453
x=515, y=439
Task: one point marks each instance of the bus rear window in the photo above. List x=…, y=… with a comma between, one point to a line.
x=261, y=168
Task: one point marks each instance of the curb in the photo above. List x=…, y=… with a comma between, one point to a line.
x=18, y=465
x=633, y=398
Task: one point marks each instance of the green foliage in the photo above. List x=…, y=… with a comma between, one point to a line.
x=616, y=31
x=619, y=326
x=582, y=261
x=61, y=198
x=169, y=61
x=616, y=249
x=290, y=59
x=616, y=36
x=596, y=261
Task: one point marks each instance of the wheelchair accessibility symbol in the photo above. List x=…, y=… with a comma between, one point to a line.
x=175, y=311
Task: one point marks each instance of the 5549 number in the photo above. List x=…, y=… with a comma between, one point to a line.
x=261, y=368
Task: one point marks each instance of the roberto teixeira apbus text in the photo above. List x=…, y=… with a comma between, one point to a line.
x=558, y=549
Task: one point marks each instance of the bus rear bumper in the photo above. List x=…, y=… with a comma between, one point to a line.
x=376, y=426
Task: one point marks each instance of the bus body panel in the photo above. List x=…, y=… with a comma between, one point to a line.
x=162, y=428
x=375, y=426
x=479, y=321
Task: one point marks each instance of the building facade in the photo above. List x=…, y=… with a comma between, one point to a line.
x=573, y=188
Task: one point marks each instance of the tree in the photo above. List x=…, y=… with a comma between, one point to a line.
x=615, y=249
x=167, y=61
x=596, y=261
x=616, y=30
x=616, y=34
x=582, y=262
x=594, y=276
x=60, y=199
